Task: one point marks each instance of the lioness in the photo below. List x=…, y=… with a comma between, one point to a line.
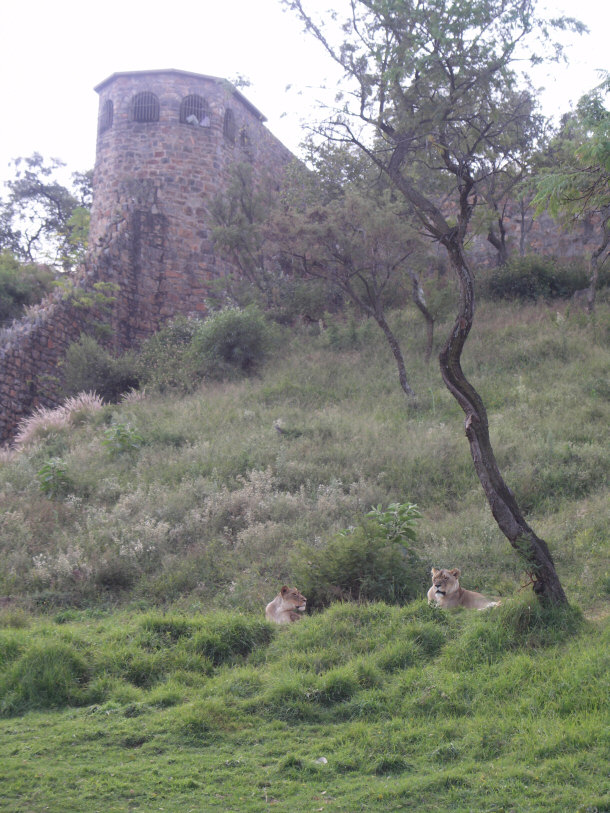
x=447, y=593
x=286, y=607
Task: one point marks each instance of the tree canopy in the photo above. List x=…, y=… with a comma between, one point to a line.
x=42, y=219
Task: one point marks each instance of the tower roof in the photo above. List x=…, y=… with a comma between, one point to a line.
x=219, y=80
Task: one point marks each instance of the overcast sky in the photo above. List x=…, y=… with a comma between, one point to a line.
x=55, y=51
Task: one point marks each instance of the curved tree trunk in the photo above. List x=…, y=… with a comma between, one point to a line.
x=395, y=347
x=500, y=498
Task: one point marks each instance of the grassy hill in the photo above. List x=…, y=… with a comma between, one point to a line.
x=141, y=541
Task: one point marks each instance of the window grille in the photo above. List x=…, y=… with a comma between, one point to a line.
x=195, y=110
x=145, y=107
x=229, y=128
x=106, y=116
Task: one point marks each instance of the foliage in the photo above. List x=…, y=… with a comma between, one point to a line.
x=120, y=438
x=162, y=361
x=42, y=220
x=88, y=366
x=53, y=478
x=230, y=343
x=398, y=521
x=371, y=562
x=574, y=180
x=532, y=278
x=21, y=285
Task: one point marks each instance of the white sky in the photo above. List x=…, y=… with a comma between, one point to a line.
x=54, y=52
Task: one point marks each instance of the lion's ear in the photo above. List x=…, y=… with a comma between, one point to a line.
x=456, y=572
x=284, y=590
x=434, y=571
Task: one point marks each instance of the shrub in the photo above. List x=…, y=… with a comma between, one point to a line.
x=532, y=278
x=53, y=478
x=162, y=361
x=121, y=437
x=366, y=563
x=230, y=343
x=88, y=366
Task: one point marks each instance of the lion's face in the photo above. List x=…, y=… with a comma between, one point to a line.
x=292, y=599
x=445, y=582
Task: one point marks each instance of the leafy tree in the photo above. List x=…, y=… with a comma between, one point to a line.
x=433, y=89
x=363, y=248
x=21, y=285
x=43, y=220
x=575, y=184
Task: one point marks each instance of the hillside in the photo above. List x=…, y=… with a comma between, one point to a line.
x=141, y=541
x=205, y=506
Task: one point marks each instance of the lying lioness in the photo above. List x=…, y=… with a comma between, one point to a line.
x=447, y=593
x=286, y=607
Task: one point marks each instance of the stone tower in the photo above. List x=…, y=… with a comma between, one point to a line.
x=165, y=147
x=166, y=142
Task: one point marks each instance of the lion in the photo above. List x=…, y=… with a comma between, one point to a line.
x=286, y=607
x=447, y=593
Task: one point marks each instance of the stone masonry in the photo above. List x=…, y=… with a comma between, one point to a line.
x=166, y=143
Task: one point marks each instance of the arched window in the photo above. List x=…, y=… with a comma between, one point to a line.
x=229, y=129
x=244, y=138
x=194, y=110
x=106, y=116
x=145, y=107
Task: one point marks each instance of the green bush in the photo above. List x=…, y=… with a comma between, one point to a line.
x=230, y=343
x=88, y=367
x=365, y=563
x=162, y=361
x=532, y=278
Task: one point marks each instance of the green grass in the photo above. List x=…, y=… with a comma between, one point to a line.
x=412, y=709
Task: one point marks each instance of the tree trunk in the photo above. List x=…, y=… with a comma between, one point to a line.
x=594, y=261
x=498, y=241
x=395, y=347
x=417, y=294
x=505, y=510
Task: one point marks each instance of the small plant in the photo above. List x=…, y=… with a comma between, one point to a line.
x=122, y=437
x=53, y=478
x=398, y=521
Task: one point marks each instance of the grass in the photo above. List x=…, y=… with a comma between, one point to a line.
x=410, y=709
x=213, y=497
x=137, y=671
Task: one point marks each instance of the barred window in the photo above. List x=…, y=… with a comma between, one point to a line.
x=106, y=116
x=229, y=128
x=145, y=107
x=195, y=110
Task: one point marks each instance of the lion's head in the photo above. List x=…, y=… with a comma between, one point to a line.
x=445, y=582
x=292, y=599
